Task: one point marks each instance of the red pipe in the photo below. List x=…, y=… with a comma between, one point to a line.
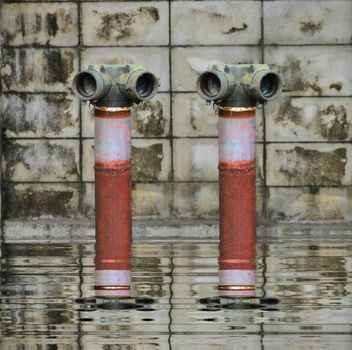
x=113, y=202
x=237, y=195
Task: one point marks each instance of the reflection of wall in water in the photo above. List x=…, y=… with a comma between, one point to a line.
x=39, y=272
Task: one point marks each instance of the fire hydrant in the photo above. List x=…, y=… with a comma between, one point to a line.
x=237, y=90
x=112, y=90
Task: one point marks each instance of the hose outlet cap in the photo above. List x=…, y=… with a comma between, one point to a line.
x=266, y=85
x=213, y=85
x=89, y=85
x=141, y=85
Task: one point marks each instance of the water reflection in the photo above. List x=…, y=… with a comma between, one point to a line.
x=303, y=299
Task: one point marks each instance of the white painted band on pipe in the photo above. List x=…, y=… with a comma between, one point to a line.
x=236, y=139
x=237, y=277
x=112, y=278
x=112, y=139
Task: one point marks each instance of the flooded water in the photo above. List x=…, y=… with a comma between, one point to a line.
x=304, y=299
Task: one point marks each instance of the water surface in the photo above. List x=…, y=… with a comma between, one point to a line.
x=304, y=299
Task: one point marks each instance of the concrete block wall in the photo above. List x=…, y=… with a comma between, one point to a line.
x=304, y=149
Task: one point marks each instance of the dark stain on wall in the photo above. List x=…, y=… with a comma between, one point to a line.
x=148, y=119
x=22, y=24
x=25, y=74
x=333, y=123
x=288, y=112
x=221, y=17
x=59, y=108
x=315, y=87
x=51, y=24
x=214, y=15
x=147, y=162
x=59, y=66
x=236, y=29
x=313, y=190
x=292, y=74
x=310, y=27
x=32, y=201
x=311, y=167
x=295, y=79
x=336, y=86
x=7, y=62
x=193, y=121
x=119, y=24
x=38, y=23
x=15, y=118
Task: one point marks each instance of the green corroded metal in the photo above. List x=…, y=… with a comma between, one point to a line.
x=115, y=85
x=241, y=85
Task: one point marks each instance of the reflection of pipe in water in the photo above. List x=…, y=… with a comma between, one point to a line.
x=237, y=90
x=112, y=89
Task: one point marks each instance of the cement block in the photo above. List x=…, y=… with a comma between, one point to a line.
x=88, y=160
x=41, y=200
x=156, y=59
x=40, y=231
x=151, y=119
x=87, y=111
x=126, y=23
x=309, y=204
x=196, y=200
x=312, y=22
x=292, y=119
x=41, y=160
x=260, y=167
x=219, y=23
x=151, y=200
x=88, y=200
x=188, y=63
x=313, y=70
x=53, y=24
x=40, y=115
x=193, y=118
x=309, y=164
x=37, y=70
x=148, y=200
x=151, y=160
x=197, y=160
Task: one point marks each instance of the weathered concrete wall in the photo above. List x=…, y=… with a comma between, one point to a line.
x=304, y=139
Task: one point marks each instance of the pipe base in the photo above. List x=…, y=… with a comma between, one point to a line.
x=237, y=283
x=112, y=283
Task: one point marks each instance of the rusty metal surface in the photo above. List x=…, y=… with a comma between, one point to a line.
x=113, y=195
x=237, y=196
